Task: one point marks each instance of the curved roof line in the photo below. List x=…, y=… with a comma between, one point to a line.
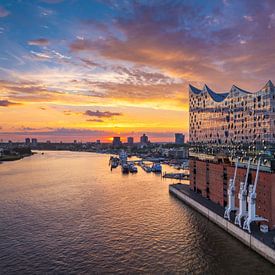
x=239, y=89
x=215, y=96
x=269, y=84
x=219, y=97
x=194, y=89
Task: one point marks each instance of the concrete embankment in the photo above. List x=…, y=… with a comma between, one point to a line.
x=248, y=239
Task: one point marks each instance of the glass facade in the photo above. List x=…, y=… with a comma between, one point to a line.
x=236, y=117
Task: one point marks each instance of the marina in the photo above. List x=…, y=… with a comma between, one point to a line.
x=131, y=166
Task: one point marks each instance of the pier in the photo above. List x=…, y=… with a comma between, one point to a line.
x=262, y=243
x=178, y=176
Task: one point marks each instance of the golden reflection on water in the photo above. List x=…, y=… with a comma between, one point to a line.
x=66, y=211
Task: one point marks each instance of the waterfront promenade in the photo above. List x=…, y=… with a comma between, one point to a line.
x=262, y=243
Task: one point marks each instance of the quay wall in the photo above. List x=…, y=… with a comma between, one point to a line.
x=211, y=181
x=232, y=229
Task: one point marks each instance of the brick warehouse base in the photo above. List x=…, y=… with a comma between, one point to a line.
x=210, y=179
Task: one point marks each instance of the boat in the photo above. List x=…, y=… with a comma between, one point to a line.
x=156, y=168
x=114, y=161
x=125, y=168
x=133, y=168
x=123, y=157
x=145, y=167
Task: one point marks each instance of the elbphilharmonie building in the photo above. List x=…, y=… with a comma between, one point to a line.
x=235, y=117
x=226, y=132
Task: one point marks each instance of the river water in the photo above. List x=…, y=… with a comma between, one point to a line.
x=66, y=212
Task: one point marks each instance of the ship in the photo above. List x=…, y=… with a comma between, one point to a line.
x=133, y=168
x=125, y=168
x=145, y=167
x=114, y=161
x=123, y=157
x=156, y=167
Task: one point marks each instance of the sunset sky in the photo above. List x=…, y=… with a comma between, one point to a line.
x=87, y=69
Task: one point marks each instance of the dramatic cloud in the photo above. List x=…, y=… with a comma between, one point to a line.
x=130, y=57
x=105, y=114
x=3, y=12
x=39, y=42
x=7, y=103
x=184, y=40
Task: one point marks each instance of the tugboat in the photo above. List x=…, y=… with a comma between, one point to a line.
x=156, y=168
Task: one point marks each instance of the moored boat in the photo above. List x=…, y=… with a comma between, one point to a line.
x=156, y=168
x=133, y=168
x=125, y=168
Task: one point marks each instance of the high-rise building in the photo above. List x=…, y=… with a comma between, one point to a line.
x=116, y=141
x=130, y=141
x=27, y=141
x=238, y=116
x=144, y=139
x=179, y=138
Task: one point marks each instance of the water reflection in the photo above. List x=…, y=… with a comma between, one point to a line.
x=67, y=212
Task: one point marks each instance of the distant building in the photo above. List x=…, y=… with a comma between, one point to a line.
x=98, y=141
x=34, y=141
x=75, y=141
x=130, y=141
x=144, y=139
x=116, y=141
x=27, y=141
x=179, y=138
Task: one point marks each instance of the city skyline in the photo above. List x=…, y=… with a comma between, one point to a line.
x=91, y=70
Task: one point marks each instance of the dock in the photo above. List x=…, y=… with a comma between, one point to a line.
x=262, y=243
x=178, y=176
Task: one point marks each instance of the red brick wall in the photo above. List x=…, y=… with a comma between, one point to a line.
x=265, y=187
x=216, y=180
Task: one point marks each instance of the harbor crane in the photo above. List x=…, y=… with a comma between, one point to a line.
x=242, y=196
x=252, y=217
x=231, y=194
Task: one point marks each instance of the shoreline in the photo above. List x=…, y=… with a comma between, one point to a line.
x=14, y=157
x=262, y=243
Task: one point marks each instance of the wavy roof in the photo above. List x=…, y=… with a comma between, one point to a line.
x=219, y=97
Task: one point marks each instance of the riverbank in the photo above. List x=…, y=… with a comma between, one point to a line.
x=62, y=213
x=262, y=243
x=14, y=157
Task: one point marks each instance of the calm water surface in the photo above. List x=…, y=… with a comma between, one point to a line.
x=66, y=212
